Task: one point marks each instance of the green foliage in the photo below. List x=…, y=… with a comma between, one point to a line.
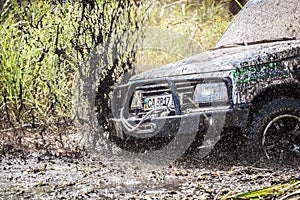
x=201, y=20
x=290, y=190
x=44, y=44
x=35, y=81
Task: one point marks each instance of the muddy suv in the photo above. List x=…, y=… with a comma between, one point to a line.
x=252, y=77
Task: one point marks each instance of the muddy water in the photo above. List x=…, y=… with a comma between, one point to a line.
x=44, y=177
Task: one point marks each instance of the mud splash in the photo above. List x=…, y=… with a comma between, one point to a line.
x=46, y=177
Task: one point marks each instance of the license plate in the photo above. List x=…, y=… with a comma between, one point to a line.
x=151, y=103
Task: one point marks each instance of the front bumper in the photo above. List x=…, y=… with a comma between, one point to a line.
x=193, y=123
x=163, y=124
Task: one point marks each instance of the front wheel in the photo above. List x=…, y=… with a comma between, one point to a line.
x=275, y=131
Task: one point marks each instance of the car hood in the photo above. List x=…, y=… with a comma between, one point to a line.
x=219, y=62
x=264, y=20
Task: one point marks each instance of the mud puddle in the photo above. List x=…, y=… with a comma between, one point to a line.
x=46, y=177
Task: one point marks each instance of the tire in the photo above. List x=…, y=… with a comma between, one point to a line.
x=275, y=131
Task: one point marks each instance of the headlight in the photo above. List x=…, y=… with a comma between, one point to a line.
x=136, y=102
x=211, y=92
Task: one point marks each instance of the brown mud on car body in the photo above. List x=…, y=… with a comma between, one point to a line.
x=251, y=78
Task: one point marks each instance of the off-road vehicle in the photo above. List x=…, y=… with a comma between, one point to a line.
x=252, y=76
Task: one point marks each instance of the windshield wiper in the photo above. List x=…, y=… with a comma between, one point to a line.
x=254, y=42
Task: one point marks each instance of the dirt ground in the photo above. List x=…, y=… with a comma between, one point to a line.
x=43, y=175
x=37, y=176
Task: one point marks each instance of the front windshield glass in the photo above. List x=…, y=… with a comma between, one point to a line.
x=263, y=20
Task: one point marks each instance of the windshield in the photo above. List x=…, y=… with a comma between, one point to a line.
x=263, y=20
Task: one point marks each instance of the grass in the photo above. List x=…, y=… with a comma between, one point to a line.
x=35, y=82
x=42, y=45
x=201, y=21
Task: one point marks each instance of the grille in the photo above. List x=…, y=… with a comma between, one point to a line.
x=185, y=91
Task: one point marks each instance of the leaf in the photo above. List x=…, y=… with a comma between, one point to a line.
x=269, y=192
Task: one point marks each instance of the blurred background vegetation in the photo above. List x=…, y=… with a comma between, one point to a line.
x=201, y=20
x=44, y=43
